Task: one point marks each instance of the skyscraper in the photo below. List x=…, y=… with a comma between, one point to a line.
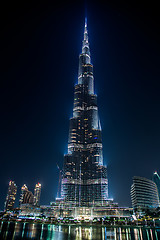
x=84, y=177
x=24, y=189
x=144, y=193
x=27, y=196
x=11, y=196
x=156, y=179
x=37, y=194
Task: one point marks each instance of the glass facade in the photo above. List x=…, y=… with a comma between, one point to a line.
x=24, y=190
x=144, y=193
x=11, y=196
x=156, y=179
x=84, y=177
x=37, y=194
x=26, y=196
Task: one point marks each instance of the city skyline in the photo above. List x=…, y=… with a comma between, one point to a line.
x=34, y=121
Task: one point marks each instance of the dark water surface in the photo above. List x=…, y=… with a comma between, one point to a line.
x=18, y=230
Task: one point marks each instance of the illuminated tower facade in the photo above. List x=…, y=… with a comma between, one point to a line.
x=144, y=193
x=11, y=196
x=156, y=179
x=84, y=177
x=27, y=196
x=24, y=189
x=37, y=194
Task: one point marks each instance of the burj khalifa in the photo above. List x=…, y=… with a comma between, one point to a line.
x=84, y=177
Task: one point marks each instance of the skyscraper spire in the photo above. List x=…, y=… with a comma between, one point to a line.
x=85, y=45
x=85, y=30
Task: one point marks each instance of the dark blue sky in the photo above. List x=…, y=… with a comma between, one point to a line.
x=40, y=44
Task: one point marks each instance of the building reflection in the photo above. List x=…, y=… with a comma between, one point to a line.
x=35, y=231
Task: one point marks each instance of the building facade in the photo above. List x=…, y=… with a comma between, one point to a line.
x=11, y=196
x=156, y=179
x=84, y=177
x=24, y=189
x=37, y=194
x=144, y=193
x=26, y=197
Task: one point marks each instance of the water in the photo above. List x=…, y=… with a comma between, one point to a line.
x=34, y=231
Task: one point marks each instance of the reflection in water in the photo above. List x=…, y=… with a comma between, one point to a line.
x=34, y=231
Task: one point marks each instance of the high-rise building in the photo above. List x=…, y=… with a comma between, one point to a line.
x=37, y=194
x=11, y=196
x=24, y=189
x=84, y=177
x=26, y=197
x=156, y=179
x=144, y=193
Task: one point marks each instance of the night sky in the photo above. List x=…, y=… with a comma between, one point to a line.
x=40, y=45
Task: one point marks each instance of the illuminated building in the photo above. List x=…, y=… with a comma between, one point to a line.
x=84, y=177
x=144, y=193
x=26, y=196
x=156, y=179
x=24, y=189
x=11, y=196
x=37, y=194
